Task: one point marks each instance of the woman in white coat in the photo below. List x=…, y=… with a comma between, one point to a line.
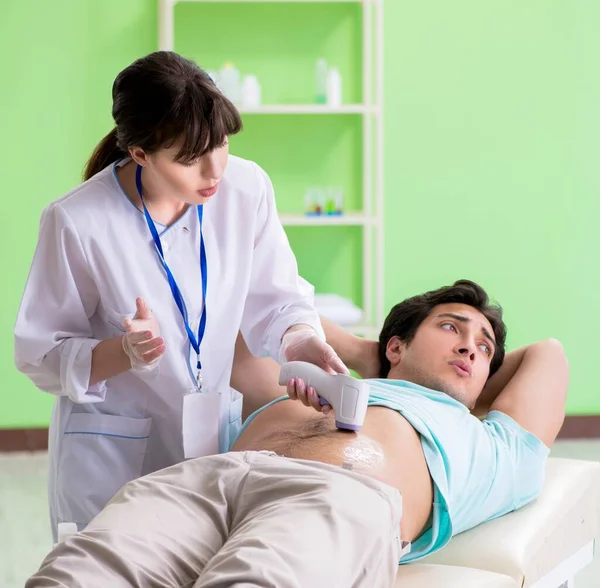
x=143, y=276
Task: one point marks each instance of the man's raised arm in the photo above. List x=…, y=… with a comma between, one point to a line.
x=531, y=388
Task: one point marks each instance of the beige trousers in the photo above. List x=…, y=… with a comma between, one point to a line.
x=237, y=519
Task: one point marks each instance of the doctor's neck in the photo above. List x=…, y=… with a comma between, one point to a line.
x=162, y=200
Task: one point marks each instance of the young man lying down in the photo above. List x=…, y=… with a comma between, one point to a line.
x=298, y=503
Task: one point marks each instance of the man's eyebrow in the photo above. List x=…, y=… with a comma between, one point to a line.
x=465, y=319
x=458, y=317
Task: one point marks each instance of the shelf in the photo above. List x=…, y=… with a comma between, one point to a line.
x=366, y=110
x=288, y=1
x=308, y=109
x=349, y=219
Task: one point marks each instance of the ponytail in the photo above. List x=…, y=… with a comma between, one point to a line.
x=106, y=152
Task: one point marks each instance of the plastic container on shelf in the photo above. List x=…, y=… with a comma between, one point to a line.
x=321, y=81
x=334, y=88
x=251, y=92
x=229, y=82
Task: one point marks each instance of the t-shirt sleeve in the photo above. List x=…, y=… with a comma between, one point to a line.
x=526, y=452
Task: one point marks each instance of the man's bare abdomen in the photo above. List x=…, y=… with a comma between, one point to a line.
x=387, y=448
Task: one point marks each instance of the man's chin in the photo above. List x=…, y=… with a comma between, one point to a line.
x=458, y=395
x=447, y=387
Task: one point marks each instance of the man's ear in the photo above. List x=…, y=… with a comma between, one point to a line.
x=139, y=156
x=394, y=350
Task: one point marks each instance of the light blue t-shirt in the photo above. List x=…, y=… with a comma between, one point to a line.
x=480, y=469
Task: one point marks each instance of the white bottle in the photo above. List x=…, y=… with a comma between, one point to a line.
x=321, y=82
x=229, y=79
x=214, y=76
x=251, y=92
x=334, y=88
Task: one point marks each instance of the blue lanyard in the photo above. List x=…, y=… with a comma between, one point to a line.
x=194, y=341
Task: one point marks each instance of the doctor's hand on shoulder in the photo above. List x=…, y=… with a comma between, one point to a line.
x=301, y=343
x=142, y=342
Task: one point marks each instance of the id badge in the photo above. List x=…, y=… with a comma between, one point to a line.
x=200, y=423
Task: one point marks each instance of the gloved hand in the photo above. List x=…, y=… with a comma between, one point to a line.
x=142, y=342
x=306, y=345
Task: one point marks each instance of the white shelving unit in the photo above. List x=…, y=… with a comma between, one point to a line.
x=349, y=219
x=304, y=108
x=370, y=218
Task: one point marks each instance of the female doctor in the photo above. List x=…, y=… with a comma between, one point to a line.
x=142, y=278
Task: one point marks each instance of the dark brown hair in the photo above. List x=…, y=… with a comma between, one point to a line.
x=405, y=318
x=160, y=99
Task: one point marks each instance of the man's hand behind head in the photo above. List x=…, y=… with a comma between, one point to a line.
x=368, y=364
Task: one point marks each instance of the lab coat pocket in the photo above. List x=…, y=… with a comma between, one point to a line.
x=99, y=454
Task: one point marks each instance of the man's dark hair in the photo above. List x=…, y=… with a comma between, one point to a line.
x=406, y=317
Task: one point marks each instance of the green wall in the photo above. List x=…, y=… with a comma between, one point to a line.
x=57, y=63
x=493, y=127
x=492, y=119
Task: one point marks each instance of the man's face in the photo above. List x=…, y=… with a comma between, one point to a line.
x=451, y=352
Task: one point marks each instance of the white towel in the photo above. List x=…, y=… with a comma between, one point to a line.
x=338, y=309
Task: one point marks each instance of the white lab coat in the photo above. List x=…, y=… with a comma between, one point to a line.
x=95, y=255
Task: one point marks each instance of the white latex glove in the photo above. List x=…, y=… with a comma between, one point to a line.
x=142, y=343
x=306, y=345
